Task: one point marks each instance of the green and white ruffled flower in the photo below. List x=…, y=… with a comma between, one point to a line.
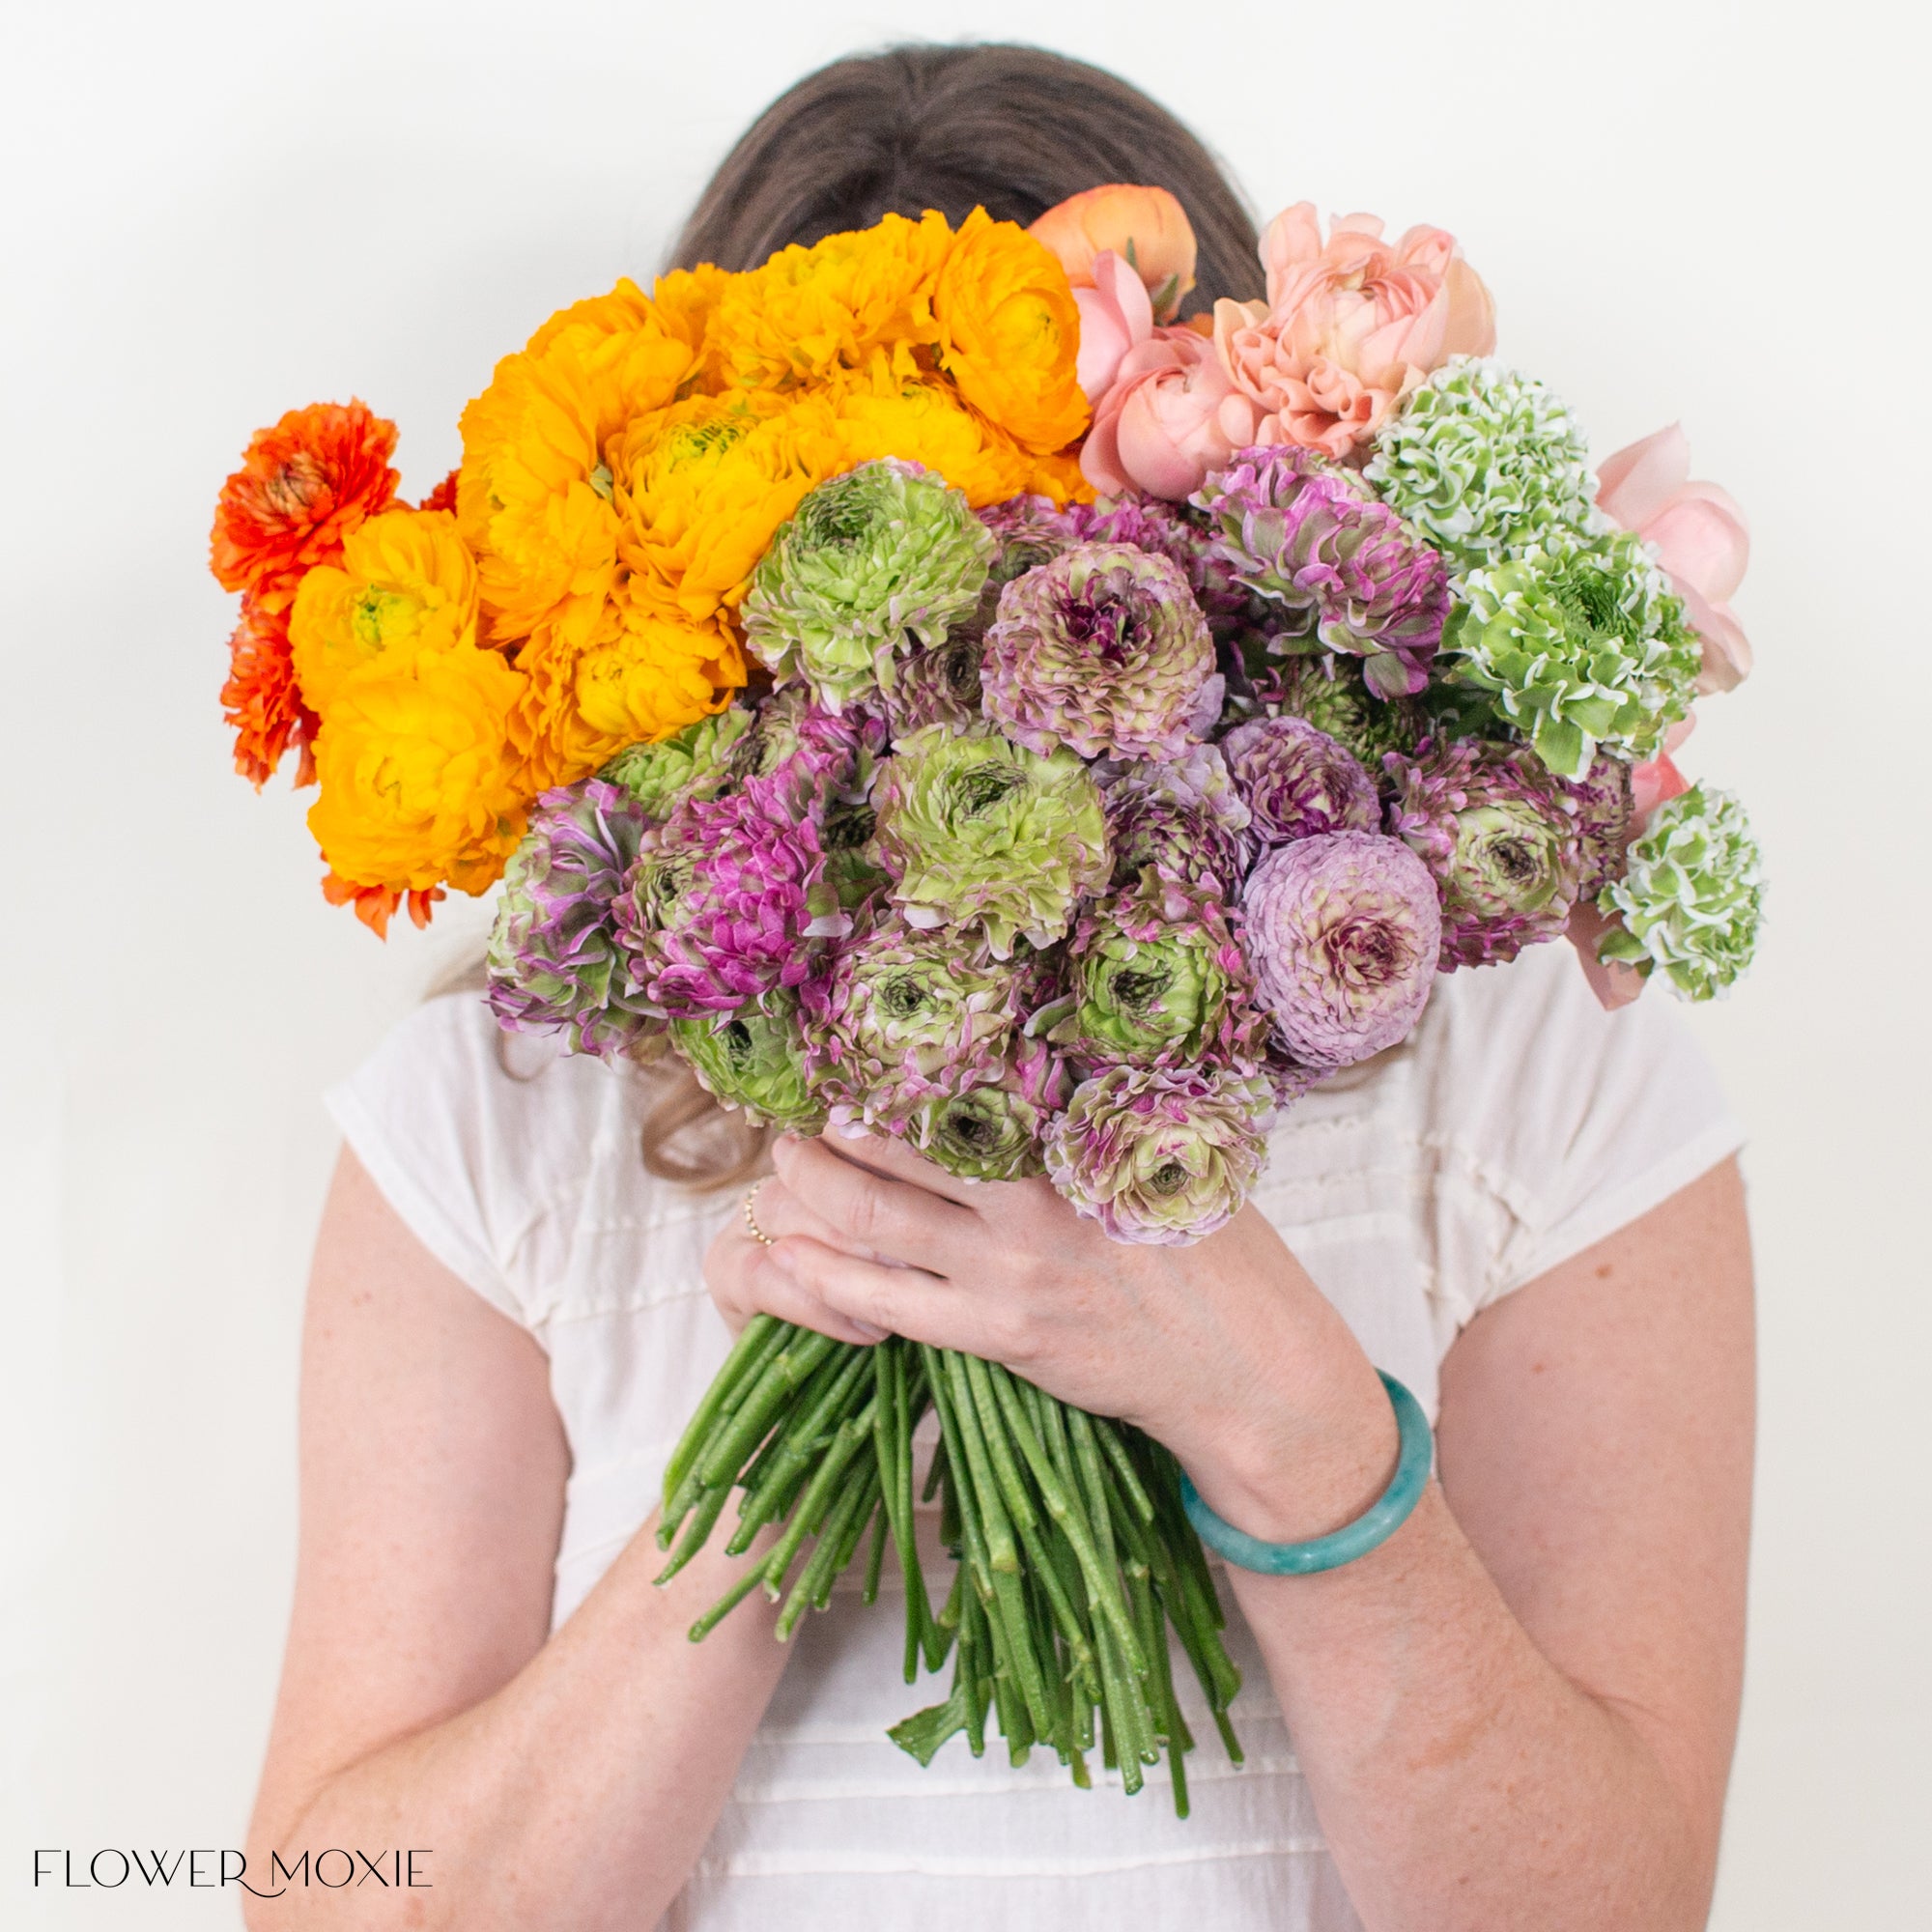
x=874, y=563
x=1579, y=643
x=1484, y=462
x=1691, y=899
x=692, y=763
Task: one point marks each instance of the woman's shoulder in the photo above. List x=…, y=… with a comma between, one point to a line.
x=1577, y=1119
x=494, y=1148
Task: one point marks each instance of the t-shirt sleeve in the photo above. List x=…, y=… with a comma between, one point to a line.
x=449, y=1134
x=1580, y=1120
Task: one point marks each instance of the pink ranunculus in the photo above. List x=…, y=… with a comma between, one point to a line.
x=1116, y=315
x=1702, y=537
x=1616, y=983
x=1350, y=325
x=1163, y=425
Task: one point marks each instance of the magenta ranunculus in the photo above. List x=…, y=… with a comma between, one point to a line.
x=1311, y=539
x=751, y=905
x=1343, y=933
x=1298, y=781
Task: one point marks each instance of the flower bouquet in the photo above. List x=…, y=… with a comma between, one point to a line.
x=938, y=693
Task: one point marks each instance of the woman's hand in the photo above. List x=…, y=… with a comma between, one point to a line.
x=1225, y=1350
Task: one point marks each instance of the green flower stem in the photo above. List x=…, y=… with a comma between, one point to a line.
x=704, y=1515
x=787, y=1371
x=993, y=1428
x=830, y=1396
x=1001, y=1554
x=754, y=1575
x=1108, y=1437
x=875, y=1556
x=817, y=1497
x=761, y=1338
x=750, y=1357
x=844, y=1524
x=1061, y=1507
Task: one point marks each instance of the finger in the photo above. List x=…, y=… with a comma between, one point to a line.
x=899, y=1160
x=872, y=1212
x=908, y=1301
x=747, y=1279
x=775, y=1211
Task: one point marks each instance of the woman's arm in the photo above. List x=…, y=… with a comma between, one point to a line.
x=566, y=1783
x=1516, y=1712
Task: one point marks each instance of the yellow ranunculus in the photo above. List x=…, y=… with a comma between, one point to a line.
x=533, y=498
x=808, y=312
x=406, y=584
x=701, y=488
x=1009, y=332
x=420, y=779
x=643, y=676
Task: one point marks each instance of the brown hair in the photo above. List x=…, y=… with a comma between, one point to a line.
x=1011, y=129
x=1008, y=129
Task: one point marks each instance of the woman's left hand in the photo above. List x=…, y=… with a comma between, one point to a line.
x=1225, y=1350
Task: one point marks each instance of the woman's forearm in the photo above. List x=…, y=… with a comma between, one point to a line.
x=578, y=1794
x=1463, y=1783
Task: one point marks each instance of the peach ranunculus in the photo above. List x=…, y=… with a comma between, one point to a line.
x=1702, y=538
x=1146, y=227
x=1351, y=326
x=1170, y=417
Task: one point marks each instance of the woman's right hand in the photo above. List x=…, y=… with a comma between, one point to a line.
x=744, y=1281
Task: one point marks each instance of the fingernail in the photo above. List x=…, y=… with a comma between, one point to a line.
x=867, y=1329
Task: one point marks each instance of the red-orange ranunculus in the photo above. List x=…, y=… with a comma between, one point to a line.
x=301, y=488
x=262, y=700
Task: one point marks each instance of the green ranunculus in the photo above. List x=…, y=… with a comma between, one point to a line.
x=692, y=763
x=874, y=563
x=1579, y=643
x=1692, y=897
x=754, y=1060
x=977, y=830
x=988, y=1133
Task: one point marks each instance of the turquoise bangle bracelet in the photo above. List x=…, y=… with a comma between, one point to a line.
x=1371, y=1528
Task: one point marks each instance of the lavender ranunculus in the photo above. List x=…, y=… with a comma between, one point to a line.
x=1499, y=834
x=1343, y=933
x=1186, y=817
x=1103, y=650
x=1311, y=539
x=937, y=687
x=555, y=961
x=1164, y=529
x=1158, y=1156
x=1298, y=781
x=903, y=1018
x=749, y=905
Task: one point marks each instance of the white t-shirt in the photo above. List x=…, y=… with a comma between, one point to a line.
x=1517, y=1125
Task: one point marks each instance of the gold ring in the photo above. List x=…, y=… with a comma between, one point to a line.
x=757, y=1232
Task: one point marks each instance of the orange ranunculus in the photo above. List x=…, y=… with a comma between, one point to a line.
x=421, y=782
x=1146, y=227
x=533, y=497
x=262, y=701
x=810, y=312
x=301, y=488
x=376, y=905
x=643, y=676
x=406, y=586
x=1009, y=332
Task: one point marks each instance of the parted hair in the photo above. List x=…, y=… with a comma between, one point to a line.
x=1013, y=129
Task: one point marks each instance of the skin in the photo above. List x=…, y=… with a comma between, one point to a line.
x=1519, y=1712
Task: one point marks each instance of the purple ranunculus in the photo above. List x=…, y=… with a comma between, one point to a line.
x=1185, y=816
x=1298, y=781
x=1343, y=933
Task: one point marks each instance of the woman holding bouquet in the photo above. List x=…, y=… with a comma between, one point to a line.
x=1515, y=1711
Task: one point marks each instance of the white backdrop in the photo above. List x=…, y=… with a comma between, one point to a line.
x=214, y=213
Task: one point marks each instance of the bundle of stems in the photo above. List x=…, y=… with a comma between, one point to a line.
x=1072, y=1554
